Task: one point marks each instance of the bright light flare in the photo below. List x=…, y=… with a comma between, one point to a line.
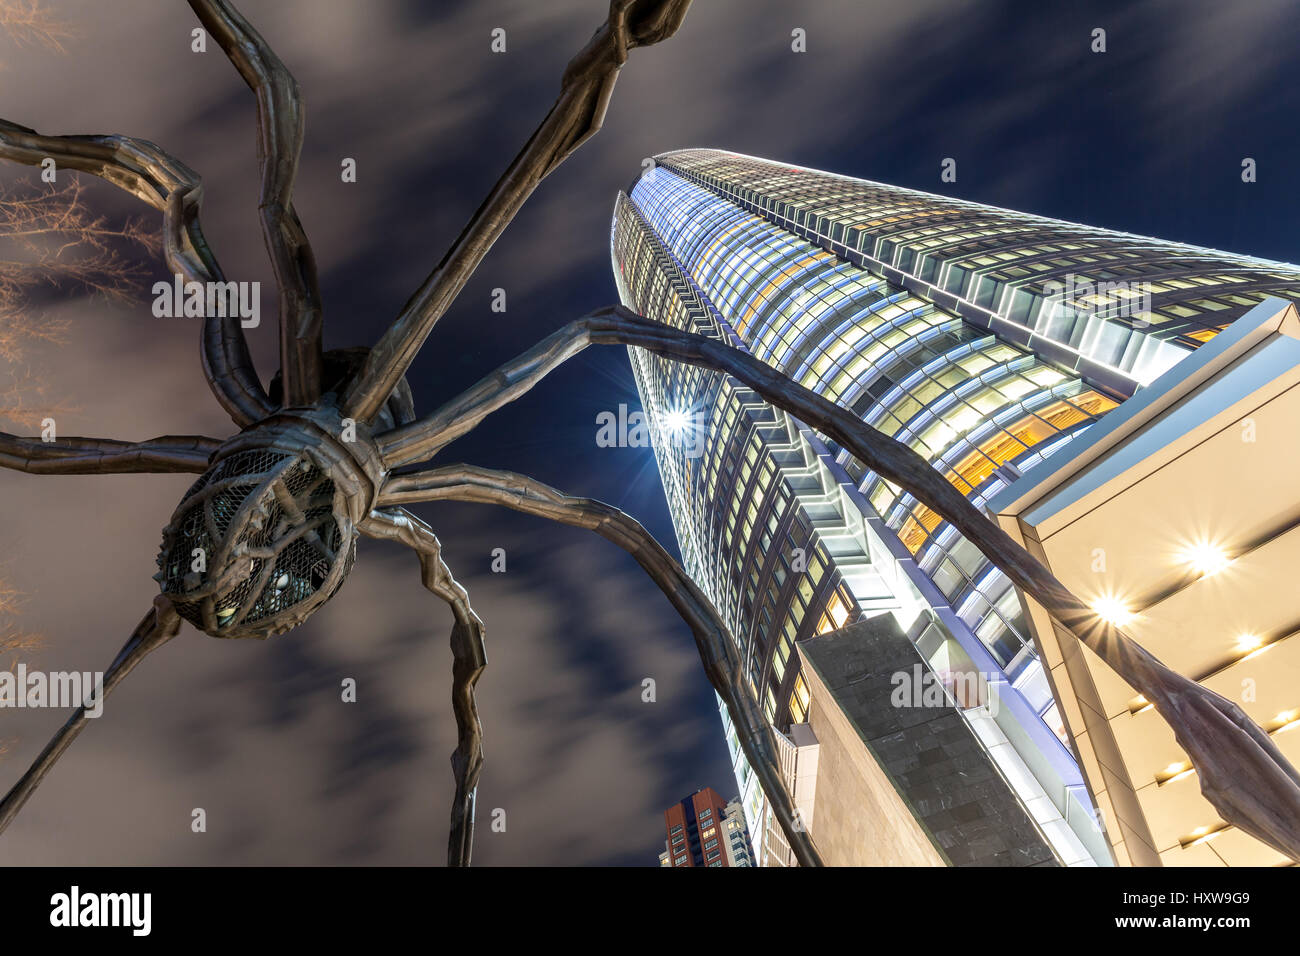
x=1200, y=835
x=1112, y=611
x=1174, y=772
x=1287, y=720
x=677, y=421
x=1206, y=559
x=1249, y=642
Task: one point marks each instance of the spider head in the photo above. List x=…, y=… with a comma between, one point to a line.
x=268, y=533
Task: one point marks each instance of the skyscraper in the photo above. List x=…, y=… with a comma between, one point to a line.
x=993, y=343
x=705, y=830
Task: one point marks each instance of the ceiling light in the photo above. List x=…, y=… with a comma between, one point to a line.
x=1287, y=720
x=1249, y=642
x=1201, y=835
x=1112, y=611
x=1206, y=559
x=1174, y=772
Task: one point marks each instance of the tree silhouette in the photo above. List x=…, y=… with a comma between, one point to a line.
x=30, y=21
x=51, y=241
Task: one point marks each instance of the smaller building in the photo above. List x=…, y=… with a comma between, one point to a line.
x=891, y=736
x=704, y=830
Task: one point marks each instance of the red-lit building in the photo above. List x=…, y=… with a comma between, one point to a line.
x=705, y=830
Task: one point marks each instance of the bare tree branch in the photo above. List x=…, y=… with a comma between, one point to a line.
x=158, y=627
x=279, y=143
x=148, y=173
x=105, y=456
x=1242, y=772
x=51, y=240
x=722, y=662
x=469, y=660
x=49, y=237
x=16, y=644
x=577, y=115
x=29, y=21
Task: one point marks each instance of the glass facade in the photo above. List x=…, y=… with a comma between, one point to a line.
x=987, y=340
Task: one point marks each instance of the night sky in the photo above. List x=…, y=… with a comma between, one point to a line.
x=1146, y=138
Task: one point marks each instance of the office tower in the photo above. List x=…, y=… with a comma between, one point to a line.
x=898, y=667
x=705, y=830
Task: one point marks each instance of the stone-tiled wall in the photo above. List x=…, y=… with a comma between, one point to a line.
x=902, y=786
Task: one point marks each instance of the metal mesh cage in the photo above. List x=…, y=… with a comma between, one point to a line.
x=255, y=545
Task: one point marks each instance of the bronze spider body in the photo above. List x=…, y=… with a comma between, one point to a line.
x=267, y=534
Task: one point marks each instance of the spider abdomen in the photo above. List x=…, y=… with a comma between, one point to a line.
x=268, y=533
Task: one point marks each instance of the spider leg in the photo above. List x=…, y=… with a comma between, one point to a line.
x=279, y=142
x=103, y=456
x=1242, y=772
x=577, y=114
x=164, y=182
x=425, y=437
x=158, y=627
x=470, y=659
x=718, y=650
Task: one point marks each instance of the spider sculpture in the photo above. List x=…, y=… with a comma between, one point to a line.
x=268, y=532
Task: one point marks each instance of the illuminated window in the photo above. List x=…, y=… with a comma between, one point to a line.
x=918, y=526
x=799, y=701
x=778, y=664
x=975, y=467
x=837, y=612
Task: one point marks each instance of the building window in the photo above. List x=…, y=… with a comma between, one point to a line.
x=1052, y=717
x=799, y=701
x=837, y=613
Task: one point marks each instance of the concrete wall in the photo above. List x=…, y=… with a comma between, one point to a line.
x=902, y=785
